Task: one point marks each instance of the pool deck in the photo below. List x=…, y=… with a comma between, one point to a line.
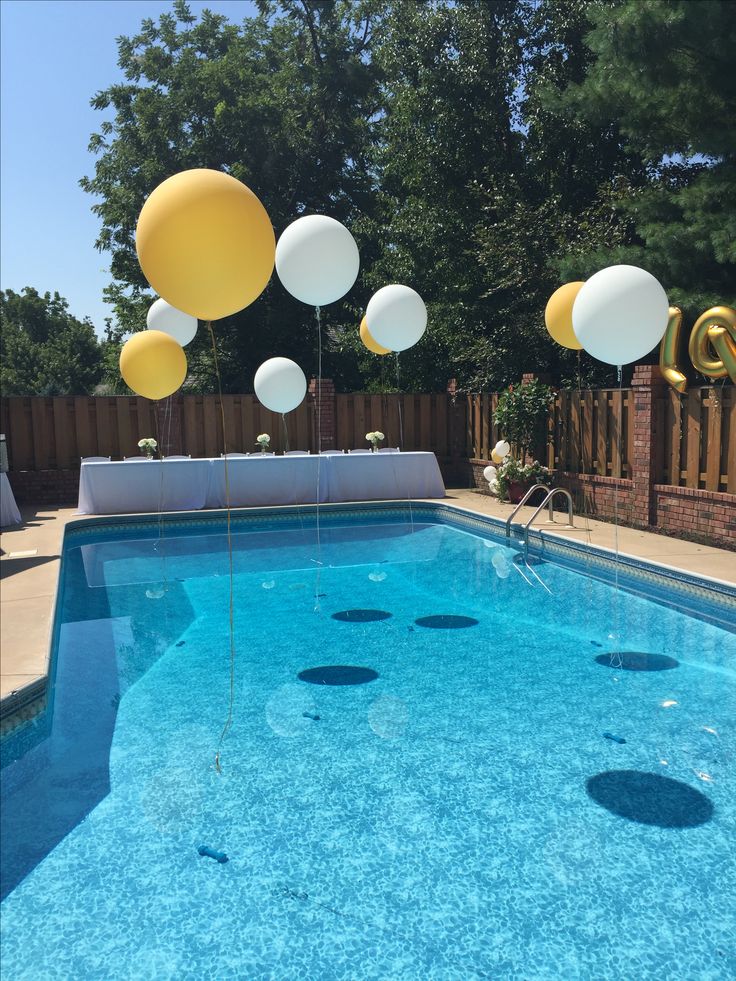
x=30, y=555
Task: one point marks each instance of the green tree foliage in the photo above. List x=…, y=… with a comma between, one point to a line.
x=283, y=103
x=664, y=70
x=481, y=151
x=449, y=75
x=44, y=350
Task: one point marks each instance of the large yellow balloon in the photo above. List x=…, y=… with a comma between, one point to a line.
x=153, y=364
x=558, y=315
x=205, y=243
x=365, y=336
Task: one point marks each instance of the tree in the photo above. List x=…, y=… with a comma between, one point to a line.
x=663, y=69
x=283, y=102
x=44, y=350
x=449, y=75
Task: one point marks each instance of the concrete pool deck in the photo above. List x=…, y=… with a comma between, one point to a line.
x=31, y=554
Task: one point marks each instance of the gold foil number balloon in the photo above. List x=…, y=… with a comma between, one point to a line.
x=717, y=328
x=712, y=346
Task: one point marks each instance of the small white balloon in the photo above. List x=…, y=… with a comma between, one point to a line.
x=502, y=448
x=179, y=325
x=280, y=384
x=317, y=259
x=620, y=314
x=396, y=317
x=490, y=474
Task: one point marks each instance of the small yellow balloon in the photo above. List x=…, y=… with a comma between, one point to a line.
x=558, y=315
x=495, y=457
x=365, y=336
x=153, y=364
x=205, y=243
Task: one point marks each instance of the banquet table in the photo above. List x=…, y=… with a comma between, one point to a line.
x=384, y=476
x=9, y=513
x=261, y=480
x=189, y=485
x=143, y=485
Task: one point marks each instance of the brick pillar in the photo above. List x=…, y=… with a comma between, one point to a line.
x=646, y=384
x=530, y=376
x=322, y=399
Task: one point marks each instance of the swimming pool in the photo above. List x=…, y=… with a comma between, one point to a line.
x=486, y=769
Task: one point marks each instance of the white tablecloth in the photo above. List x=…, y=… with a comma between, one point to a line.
x=9, y=513
x=188, y=485
x=143, y=486
x=384, y=476
x=264, y=480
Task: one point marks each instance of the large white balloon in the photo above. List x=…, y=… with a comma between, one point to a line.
x=179, y=325
x=502, y=449
x=280, y=384
x=620, y=314
x=317, y=259
x=490, y=474
x=396, y=317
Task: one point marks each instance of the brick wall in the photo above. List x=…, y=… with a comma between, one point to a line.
x=698, y=514
x=45, y=486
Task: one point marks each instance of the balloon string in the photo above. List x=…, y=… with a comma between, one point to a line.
x=286, y=432
x=401, y=439
x=317, y=582
x=616, y=660
x=398, y=402
x=229, y=720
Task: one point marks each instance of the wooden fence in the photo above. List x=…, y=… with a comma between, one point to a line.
x=589, y=432
x=413, y=422
x=592, y=432
x=53, y=433
x=698, y=444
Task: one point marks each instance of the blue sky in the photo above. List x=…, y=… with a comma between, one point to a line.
x=55, y=55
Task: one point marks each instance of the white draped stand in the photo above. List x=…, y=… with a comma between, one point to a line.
x=9, y=513
x=189, y=485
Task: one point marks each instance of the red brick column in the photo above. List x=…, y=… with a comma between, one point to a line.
x=322, y=398
x=530, y=376
x=647, y=383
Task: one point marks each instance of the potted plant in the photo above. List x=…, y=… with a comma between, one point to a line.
x=513, y=478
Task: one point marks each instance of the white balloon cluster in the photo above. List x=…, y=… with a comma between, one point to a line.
x=620, y=314
x=317, y=261
x=491, y=475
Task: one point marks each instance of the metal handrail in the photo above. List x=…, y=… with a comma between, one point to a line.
x=521, y=504
x=548, y=500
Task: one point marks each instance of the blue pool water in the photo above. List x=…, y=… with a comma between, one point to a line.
x=437, y=769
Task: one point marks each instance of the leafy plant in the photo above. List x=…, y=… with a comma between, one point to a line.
x=512, y=471
x=521, y=412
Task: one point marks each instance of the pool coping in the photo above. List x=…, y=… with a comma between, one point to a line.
x=26, y=702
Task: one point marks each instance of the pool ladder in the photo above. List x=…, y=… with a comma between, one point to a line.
x=547, y=502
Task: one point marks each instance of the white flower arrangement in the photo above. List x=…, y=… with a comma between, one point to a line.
x=374, y=439
x=148, y=445
x=264, y=441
